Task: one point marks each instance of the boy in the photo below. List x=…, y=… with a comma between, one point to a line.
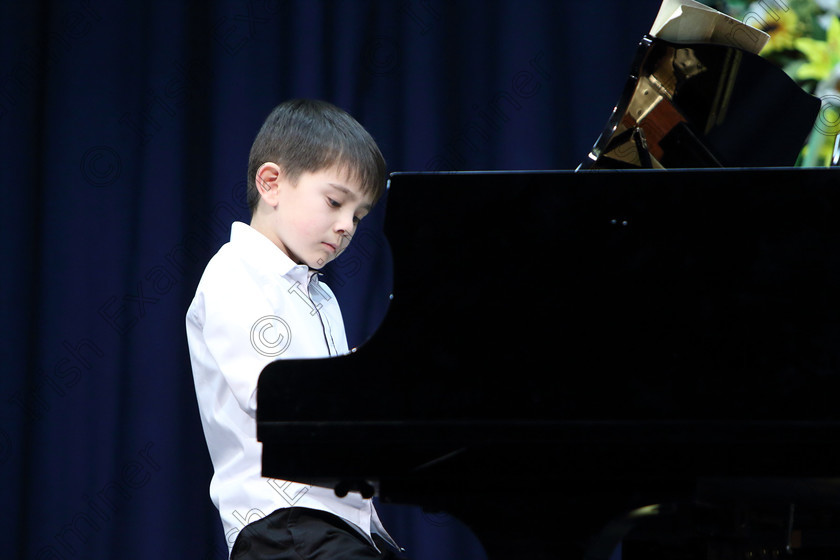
x=313, y=173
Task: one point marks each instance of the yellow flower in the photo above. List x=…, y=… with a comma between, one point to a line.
x=822, y=55
x=782, y=25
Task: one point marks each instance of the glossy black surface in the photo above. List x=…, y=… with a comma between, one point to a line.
x=606, y=339
x=701, y=105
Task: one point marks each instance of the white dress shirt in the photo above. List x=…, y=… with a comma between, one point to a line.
x=254, y=305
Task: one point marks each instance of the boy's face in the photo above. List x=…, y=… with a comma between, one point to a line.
x=314, y=220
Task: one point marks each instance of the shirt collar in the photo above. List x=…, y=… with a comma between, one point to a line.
x=263, y=255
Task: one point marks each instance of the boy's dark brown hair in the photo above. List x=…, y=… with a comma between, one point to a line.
x=305, y=135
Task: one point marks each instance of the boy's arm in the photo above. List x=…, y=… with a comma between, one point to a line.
x=219, y=329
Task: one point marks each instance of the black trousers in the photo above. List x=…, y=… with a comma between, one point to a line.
x=307, y=534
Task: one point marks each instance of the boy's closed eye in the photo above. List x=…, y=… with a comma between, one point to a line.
x=337, y=204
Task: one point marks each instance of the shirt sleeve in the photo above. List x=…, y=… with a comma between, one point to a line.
x=219, y=326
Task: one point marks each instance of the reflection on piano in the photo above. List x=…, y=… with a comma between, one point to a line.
x=563, y=348
x=703, y=105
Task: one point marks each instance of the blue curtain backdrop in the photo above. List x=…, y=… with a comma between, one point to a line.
x=124, y=134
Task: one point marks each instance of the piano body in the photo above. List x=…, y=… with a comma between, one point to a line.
x=573, y=359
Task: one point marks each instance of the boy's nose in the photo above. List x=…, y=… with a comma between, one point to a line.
x=345, y=230
x=345, y=225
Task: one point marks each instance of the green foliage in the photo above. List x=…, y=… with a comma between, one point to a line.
x=805, y=43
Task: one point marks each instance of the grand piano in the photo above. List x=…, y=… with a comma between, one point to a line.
x=625, y=353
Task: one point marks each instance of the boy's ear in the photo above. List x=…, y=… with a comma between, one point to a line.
x=269, y=176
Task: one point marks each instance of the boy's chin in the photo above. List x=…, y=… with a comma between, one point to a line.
x=316, y=261
x=319, y=263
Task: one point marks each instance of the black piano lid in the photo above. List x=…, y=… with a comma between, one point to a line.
x=632, y=294
x=626, y=307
